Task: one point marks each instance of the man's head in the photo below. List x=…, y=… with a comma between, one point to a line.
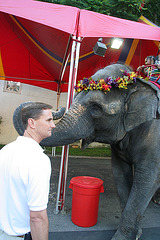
x=33, y=110
x=37, y=120
x=149, y=60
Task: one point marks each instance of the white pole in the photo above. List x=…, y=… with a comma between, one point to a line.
x=65, y=175
x=71, y=71
x=59, y=183
x=73, y=84
x=65, y=67
x=76, y=62
x=63, y=148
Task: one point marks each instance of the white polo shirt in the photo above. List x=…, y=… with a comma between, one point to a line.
x=24, y=184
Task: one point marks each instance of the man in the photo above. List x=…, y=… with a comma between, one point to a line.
x=25, y=177
x=151, y=69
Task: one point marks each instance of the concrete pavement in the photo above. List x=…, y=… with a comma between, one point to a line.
x=61, y=226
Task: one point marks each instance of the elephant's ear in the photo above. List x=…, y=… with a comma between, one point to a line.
x=156, y=89
x=17, y=122
x=140, y=106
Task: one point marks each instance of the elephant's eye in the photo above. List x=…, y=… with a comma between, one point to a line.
x=96, y=110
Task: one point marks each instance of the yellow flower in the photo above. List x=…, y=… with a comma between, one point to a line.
x=120, y=82
x=102, y=81
x=133, y=74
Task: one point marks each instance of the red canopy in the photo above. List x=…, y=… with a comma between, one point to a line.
x=36, y=39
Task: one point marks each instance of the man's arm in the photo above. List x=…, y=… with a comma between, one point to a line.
x=39, y=225
x=142, y=69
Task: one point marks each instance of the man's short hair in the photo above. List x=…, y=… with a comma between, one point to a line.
x=151, y=58
x=33, y=110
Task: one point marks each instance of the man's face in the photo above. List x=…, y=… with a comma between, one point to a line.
x=44, y=125
x=147, y=61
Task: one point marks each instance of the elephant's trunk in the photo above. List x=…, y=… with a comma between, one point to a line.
x=17, y=117
x=76, y=124
x=58, y=114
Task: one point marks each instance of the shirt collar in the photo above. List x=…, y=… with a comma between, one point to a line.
x=30, y=141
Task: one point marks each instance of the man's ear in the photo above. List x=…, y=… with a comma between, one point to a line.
x=31, y=123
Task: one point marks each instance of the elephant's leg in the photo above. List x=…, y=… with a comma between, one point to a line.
x=143, y=188
x=123, y=177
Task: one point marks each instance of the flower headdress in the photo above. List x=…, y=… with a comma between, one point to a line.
x=105, y=85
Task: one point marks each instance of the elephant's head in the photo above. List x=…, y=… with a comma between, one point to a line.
x=106, y=118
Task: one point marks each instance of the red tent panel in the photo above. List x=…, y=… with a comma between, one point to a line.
x=18, y=62
x=39, y=45
x=133, y=51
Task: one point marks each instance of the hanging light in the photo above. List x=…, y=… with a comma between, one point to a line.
x=116, y=43
x=100, y=48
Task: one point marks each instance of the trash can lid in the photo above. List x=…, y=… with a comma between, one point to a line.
x=87, y=182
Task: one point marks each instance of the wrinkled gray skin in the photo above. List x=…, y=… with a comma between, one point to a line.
x=128, y=120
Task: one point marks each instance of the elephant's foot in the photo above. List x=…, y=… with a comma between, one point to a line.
x=120, y=236
x=156, y=197
x=139, y=233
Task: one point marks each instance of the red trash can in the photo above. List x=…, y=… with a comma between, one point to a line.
x=85, y=200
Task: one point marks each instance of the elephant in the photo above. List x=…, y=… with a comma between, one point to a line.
x=128, y=119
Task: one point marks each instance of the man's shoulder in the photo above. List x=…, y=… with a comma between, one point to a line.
x=8, y=146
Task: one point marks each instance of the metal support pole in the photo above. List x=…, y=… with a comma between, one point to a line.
x=74, y=77
x=65, y=150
